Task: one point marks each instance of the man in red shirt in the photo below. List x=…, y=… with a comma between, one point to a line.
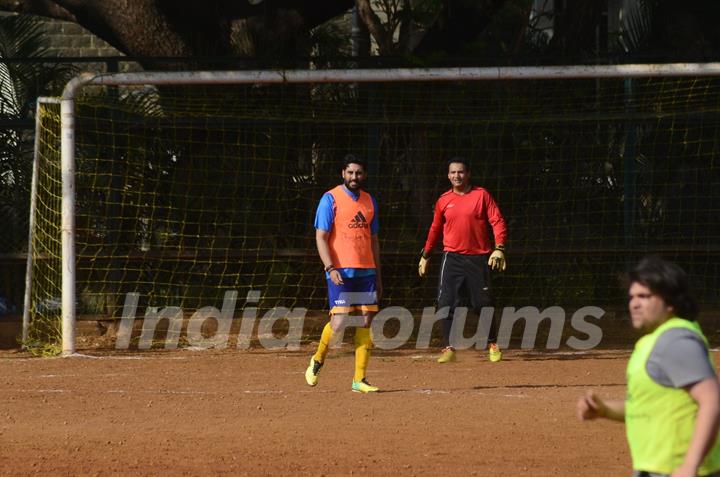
x=462, y=217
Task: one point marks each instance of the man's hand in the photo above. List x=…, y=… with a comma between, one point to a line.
x=422, y=266
x=497, y=260
x=590, y=407
x=336, y=277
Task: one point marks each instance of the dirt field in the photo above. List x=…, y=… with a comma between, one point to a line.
x=250, y=413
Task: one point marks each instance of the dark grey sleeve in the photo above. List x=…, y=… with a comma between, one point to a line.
x=679, y=358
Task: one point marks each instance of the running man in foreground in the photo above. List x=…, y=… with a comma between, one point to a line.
x=346, y=235
x=672, y=407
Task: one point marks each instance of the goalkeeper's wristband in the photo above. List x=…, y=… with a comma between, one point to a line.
x=423, y=254
x=500, y=247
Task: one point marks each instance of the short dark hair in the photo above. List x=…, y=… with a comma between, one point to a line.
x=670, y=282
x=353, y=159
x=461, y=160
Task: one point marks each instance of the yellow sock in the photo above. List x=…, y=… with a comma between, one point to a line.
x=327, y=334
x=363, y=344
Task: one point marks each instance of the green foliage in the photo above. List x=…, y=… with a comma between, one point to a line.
x=425, y=12
x=21, y=82
x=637, y=23
x=330, y=41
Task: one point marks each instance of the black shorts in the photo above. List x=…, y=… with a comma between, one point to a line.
x=464, y=276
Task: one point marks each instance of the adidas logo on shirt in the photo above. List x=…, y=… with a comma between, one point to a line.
x=358, y=222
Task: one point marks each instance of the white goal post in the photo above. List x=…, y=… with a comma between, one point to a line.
x=68, y=147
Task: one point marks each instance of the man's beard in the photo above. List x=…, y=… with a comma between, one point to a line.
x=359, y=185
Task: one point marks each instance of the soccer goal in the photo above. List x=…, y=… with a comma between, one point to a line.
x=178, y=187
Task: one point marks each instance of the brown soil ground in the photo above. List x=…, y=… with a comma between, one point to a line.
x=249, y=412
x=187, y=412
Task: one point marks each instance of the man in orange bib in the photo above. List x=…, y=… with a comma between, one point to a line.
x=346, y=234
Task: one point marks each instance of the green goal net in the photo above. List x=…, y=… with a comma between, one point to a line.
x=186, y=192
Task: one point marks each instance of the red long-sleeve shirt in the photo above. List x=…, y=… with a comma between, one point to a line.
x=462, y=221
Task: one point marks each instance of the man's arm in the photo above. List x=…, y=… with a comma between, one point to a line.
x=590, y=406
x=323, y=248
x=378, y=267
x=324, y=218
x=434, y=234
x=707, y=395
x=496, y=220
x=321, y=241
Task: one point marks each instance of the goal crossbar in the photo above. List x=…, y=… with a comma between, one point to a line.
x=295, y=76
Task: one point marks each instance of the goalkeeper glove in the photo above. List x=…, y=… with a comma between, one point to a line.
x=497, y=259
x=422, y=266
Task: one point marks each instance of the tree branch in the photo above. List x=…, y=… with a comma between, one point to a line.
x=44, y=8
x=183, y=28
x=375, y=27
